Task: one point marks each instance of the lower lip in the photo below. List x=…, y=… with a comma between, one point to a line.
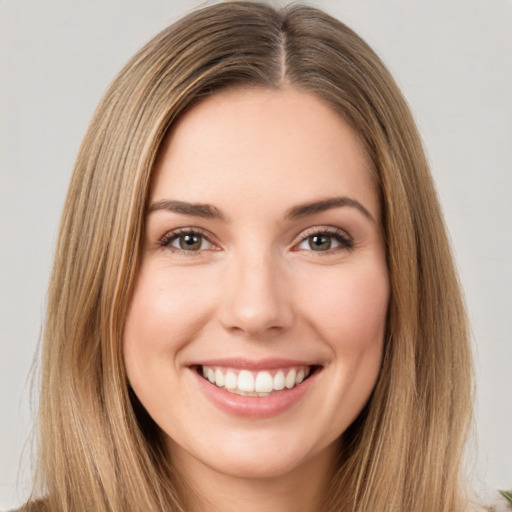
x=254, y=406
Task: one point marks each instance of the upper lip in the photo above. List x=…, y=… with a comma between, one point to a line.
x=254, y=364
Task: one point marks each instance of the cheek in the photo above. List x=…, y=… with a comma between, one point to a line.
x=164, y=316
x=165, y=311
x=346, y=308
x=349, y=307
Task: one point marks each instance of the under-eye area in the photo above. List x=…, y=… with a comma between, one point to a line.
x=256, y=383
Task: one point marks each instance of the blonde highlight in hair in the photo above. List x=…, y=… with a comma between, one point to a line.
x=99, y=449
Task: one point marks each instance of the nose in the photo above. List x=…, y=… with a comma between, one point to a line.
x=256, y=300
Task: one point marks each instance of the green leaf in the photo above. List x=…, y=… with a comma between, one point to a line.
x=507, y=495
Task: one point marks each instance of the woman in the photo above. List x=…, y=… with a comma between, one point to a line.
x=251, y=213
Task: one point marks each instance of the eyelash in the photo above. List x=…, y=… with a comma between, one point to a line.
x=166, y=241
x=341, y=237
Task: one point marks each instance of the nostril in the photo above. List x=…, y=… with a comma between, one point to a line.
x=256, y=304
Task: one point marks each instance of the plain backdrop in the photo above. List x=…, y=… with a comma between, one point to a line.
x=453, y=61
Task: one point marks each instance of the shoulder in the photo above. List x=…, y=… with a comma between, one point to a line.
x=495, y=503
x=502, y=505
x=499, y=504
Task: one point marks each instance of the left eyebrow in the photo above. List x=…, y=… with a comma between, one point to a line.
x=302, y=210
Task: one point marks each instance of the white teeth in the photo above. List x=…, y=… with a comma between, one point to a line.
x=231, y=381
x=246, y=381
x=279, y=380
x=264, y=382
x=290, y=379
x=249, y=383
x=219, y=378
x=244, y=393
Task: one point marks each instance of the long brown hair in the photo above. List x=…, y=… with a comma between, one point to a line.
x=99, y=450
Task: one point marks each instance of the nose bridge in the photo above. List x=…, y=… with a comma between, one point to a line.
x=256, y=298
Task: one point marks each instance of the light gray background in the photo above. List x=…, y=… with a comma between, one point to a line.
x=453, y=60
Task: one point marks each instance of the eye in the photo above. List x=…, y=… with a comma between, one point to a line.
x=188, y=240
x=325, y=240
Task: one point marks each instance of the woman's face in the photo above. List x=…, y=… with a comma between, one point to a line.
x=255, y=332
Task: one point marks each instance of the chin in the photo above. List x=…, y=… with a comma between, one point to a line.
x=256, y=456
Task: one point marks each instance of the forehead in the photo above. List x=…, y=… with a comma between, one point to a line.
x=249, y=145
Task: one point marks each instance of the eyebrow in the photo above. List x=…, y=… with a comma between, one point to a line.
x=206, y=211
x=302, y=210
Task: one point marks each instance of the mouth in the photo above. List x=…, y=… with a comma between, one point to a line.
x=260, y=383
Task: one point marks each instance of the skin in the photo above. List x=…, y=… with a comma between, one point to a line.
x=254, y=288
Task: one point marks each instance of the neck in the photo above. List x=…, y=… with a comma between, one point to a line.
x=301, y=490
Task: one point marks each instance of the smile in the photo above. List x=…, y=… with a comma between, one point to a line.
x=255, y=383
x=255, y=389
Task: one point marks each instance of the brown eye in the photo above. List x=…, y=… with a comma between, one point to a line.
x=190, y=242
x=320, y=242
x=326, y=240
x=186, y=241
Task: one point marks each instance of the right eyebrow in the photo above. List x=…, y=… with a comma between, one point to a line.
x=205, y=211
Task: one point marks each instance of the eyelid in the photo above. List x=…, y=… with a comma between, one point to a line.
x=165, y=241
x=346, y=241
